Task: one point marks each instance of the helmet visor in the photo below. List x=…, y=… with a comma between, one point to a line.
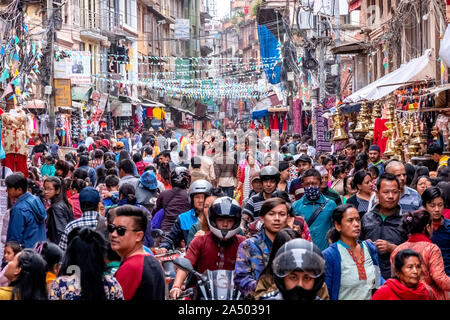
x=298, y=259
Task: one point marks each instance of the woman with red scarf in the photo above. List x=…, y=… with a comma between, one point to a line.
x=419, y=226
x=407, y=284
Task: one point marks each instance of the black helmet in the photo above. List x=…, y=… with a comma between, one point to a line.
x=197, y=187
x=180, y=177
x=224, y=207
x=299, y=255
x=270, y=173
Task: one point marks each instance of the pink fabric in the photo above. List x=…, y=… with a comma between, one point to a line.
x=77, y=213
x=297, y=116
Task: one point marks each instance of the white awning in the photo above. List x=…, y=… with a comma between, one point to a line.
x=417, y=69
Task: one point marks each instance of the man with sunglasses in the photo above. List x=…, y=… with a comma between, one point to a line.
x=140, y=275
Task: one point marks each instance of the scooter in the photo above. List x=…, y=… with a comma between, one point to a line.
x=213, y=285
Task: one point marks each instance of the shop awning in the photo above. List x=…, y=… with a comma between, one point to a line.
x=417, y=69
x=35, y=104
x=151, y=103
x=349, y=48
x=182, y=110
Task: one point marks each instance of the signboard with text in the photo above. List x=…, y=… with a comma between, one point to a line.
x=63, y=95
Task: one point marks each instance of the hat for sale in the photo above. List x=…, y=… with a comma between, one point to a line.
x=90, y=194
x=255, y=176
x=374, y=147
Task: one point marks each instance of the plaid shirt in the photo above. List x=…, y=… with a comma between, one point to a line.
x=87, y=220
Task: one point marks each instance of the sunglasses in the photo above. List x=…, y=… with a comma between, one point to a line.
x=120, y=230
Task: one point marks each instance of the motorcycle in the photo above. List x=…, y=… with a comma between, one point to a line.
x=213, y=285
x=166, y=259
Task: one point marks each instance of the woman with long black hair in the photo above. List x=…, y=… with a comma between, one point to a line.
x=26, y=274
x=81, y=275
x=60, y=211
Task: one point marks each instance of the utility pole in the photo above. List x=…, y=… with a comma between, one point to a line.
x=51, y=104
x=337, y=40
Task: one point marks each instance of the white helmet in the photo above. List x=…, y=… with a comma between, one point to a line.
x=224, y=207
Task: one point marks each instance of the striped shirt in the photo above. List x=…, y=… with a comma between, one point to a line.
x=254, y=205
x=89, y=219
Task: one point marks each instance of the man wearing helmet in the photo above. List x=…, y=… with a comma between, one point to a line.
x=198, y=191
x=298, y=271
x=270, y=176
x=174, y=201
x=217, y=248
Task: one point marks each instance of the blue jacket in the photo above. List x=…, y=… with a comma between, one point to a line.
x=125, y=144
x=252, y=257
x=27, y=221
x=180, y=229
x=333, y=267
x=441, y=237
x=322, y=224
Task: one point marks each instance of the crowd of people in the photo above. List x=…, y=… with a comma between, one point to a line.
x=291, y=222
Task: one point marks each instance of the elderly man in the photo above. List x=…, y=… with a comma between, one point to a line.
x=409, y=198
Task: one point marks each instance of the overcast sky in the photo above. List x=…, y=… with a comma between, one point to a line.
x=223, y=8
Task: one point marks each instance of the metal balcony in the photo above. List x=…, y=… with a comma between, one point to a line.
x=99, y=24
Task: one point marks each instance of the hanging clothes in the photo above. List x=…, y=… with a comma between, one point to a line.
x=285, y=123
x=43, y=128
x=378, y=138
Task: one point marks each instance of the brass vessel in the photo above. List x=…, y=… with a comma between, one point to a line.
x=362, y=125
x=339, y=132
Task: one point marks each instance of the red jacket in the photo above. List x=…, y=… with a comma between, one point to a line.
x=395, y=290
x=204, y=253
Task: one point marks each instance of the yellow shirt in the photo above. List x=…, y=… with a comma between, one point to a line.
x=443, y=161
x=6, y=293
x=183, y=143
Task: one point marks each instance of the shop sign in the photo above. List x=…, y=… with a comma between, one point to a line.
x=80, y=67
x=63, y=95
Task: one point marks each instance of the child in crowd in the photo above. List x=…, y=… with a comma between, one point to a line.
x=54, y=149
x=75, y=188
x=11, y=249
x=111, y=194
x=53, y=255
x=48, y=169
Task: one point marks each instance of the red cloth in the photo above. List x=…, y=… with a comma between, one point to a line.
x=275, y=123
x=203, y=252
x=418, y=237
x=149, y=112
x=446, y=213
x=378, y=139
x=75, y=201
x=16, y=162
x=285, y=123
x=395, y=290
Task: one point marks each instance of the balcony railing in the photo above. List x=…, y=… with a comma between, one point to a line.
x=100, y=21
